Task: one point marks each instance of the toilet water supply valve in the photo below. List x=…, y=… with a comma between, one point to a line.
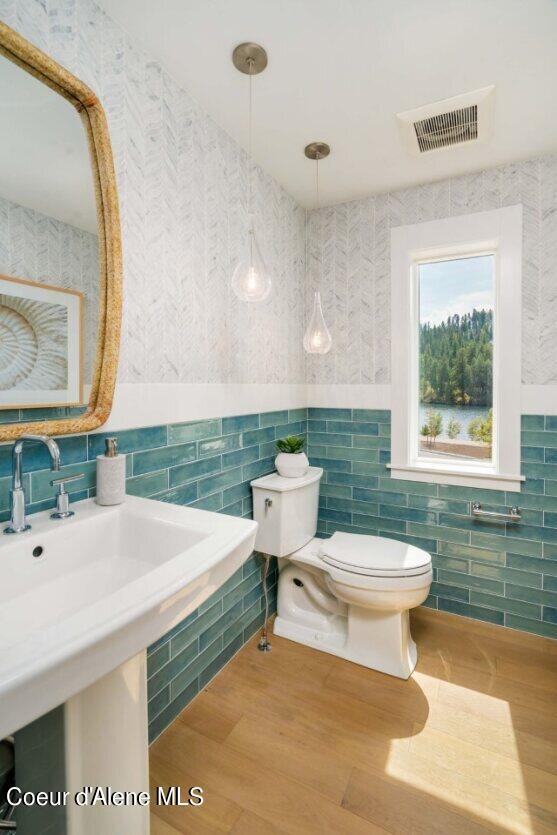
x=264, y=645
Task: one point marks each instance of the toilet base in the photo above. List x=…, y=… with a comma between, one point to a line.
x=373, y=637
x=378, y=640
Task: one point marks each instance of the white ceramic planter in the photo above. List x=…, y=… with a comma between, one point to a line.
x=292, y=464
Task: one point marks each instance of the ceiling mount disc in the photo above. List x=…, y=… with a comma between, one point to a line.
x=249, y=58
x=317, y=150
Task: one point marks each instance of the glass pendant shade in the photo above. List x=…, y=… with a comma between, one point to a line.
x=251, y=281
x=317, y=339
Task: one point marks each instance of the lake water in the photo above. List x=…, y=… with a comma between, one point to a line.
x=463, y=414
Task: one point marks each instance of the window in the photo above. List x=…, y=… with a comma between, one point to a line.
x=456, y=316
x=456, y=300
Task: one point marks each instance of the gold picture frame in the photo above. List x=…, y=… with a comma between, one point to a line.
x=17, y=49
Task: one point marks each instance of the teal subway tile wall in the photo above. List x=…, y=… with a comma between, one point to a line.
x=207, y=464
x=40, y=413
x=40, y=765
x=503, y=573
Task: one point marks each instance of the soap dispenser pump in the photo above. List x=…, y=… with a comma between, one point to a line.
x=111, y=475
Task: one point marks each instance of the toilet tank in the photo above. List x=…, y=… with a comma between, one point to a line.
x=286, y=511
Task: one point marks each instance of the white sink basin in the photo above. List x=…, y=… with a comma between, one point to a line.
x=109, y=581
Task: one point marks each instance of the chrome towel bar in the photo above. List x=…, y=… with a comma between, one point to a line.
x=512, y=516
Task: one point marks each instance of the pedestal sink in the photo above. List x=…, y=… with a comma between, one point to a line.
x=80, y=600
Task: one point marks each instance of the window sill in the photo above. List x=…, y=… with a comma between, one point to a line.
x=461, y=477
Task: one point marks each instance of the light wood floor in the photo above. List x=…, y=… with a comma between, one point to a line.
x=298, y=741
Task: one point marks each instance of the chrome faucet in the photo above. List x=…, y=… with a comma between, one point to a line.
x=17, y=494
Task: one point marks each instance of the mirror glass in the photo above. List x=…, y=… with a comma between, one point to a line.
x=49, y=259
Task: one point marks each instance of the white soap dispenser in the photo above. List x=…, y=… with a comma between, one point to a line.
x=111, y=475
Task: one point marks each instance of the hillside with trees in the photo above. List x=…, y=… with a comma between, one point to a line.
x=456, y=360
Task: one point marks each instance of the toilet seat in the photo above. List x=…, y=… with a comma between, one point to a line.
x=374, y=556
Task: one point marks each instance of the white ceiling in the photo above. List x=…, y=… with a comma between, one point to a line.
x=44, y=155
x=339, y=71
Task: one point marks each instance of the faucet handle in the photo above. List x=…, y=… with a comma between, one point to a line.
x=62, y=497
x=65, y=480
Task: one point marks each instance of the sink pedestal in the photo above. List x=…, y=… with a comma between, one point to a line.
x=107, y=745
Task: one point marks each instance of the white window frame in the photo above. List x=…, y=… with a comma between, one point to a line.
x=497, y=232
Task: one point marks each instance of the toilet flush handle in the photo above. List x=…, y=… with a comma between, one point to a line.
x=268, y=504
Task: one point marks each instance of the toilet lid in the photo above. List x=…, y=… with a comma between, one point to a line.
x=374, y=555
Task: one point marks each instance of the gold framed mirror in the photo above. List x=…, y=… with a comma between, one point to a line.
x=57, y=334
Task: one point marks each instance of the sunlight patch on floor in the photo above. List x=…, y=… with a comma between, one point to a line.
x=445, y=757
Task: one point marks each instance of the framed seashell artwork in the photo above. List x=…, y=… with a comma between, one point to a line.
x=41, y=344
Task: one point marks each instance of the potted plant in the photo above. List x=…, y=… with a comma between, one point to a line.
x=291, y=462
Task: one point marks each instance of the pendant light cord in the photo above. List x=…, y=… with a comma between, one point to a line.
x=317, y=339
x=250, y=122
x=320, y=263
x=317, y=181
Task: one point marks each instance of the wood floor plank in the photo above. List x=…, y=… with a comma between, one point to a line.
x=295, y=754
x=239, y=777
x=320, y=710
x=501, y=738
x=304, y=667
x=521, y=668
x=366, y=746
x=520, y=693
x=463, y=757
x=298, y=658
x=498, y=710
x=504, y=658
x=217, y=725
x=468, y=796
x=217, y=813
x=455, y=647
x=443, y=621
x=160, y=827
x=405, y=699
x=399, y=809
x=250, y=824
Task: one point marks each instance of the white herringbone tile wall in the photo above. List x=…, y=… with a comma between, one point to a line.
x=183, y=187
x=352, y=242
x=41, y=248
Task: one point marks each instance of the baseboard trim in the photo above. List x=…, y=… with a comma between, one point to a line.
x=486, y=630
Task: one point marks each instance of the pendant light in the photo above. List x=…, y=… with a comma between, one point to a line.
x=250, y=280
x=317, y=338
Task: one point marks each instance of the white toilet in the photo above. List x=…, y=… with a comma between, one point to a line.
x=349, y=595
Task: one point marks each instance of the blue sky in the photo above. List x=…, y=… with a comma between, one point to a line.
x=459, y=286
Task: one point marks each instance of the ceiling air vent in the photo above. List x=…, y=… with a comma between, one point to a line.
x=444, y=124
x=447, y=129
